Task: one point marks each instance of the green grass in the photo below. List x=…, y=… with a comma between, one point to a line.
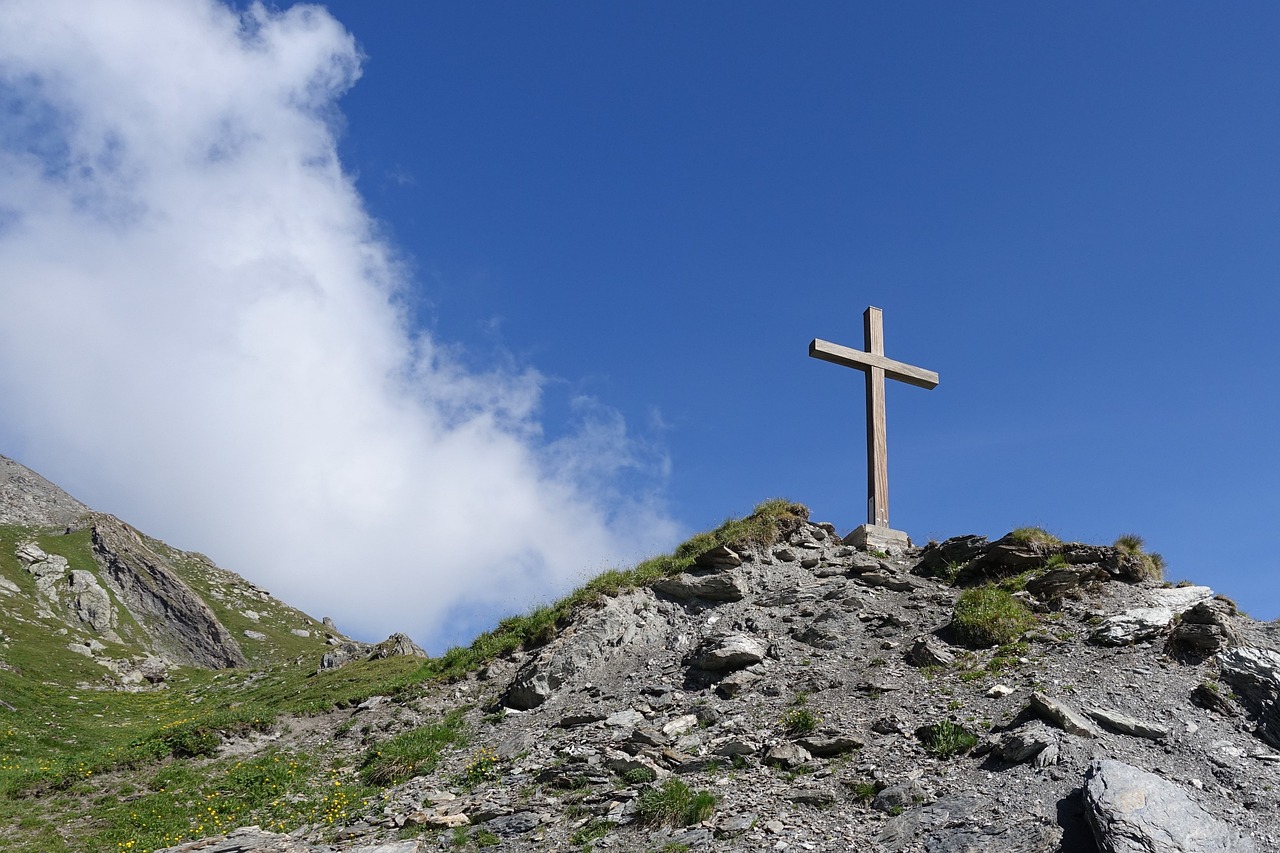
x=947, y=739
x=1035, y=536
x=413, y=753
x=989, y=616
x=1150, y=566
x=799, y=719
x=674, y=804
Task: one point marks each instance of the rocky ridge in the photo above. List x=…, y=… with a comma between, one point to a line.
x=824, y=698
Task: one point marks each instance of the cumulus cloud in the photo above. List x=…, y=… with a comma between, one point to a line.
x=203, y=333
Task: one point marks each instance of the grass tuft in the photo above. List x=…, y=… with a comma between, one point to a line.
x=674, y=805
x=988, y=616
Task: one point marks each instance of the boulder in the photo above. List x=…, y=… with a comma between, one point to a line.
x=930, y=651
x=1127, y=725
x=728, y=652
x=1132, y=811
x=1202, y=631
x=1027, y=742
x=719, y=558
x=397, y=645
x=710, y=585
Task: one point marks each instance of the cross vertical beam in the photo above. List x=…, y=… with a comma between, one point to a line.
x=873, y=363
x=877, y=438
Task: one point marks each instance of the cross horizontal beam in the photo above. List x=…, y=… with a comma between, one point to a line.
x=864, y=361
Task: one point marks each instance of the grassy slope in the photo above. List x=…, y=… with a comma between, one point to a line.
x=99, y=770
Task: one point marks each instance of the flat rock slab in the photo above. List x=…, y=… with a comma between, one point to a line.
x=1062, y=715
x=1133, y=811
x=1127, y=725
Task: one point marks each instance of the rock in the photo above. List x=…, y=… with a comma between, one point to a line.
x=397, y=645
x=624, y=718
x=719, y=558
x=785, y=555
x=1202, y=631
x=1062, y=715
x=998, y=691
x=1132, y=626
x=30, y=500
x=254, y=635
x=182, y=628
x=1057, y=584
x=930, y=651
x=827, y=745
x=342, y=654
x=1211, y=699
x=1132, y=811
x=1025, y=742
x=885, y=580
x=733, y=684
x=712, y=586
x=1126, y=725
x=573, y=719
x=516, y=823
x=1180, y=598
x=937, y=557
x=1255, y=675
x=89, y=602
x=786, y=755
x=895, y=798
x=820, y=796
x=728, y=652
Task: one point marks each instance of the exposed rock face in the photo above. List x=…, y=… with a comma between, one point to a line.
x=181, y=625
x=1255, y=674
x=30, y=500
x=397, y=645
x=1132, y=811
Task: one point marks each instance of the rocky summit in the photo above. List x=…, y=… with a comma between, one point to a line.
x=766, y=687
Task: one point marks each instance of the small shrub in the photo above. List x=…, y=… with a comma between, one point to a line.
x=799, y=719
x=674, y=805
x=865, y=791
x=946, y=739
x=987, y=616
x=483, y=767
x=638, y=776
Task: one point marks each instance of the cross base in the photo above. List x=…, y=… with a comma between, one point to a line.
x=878, y=537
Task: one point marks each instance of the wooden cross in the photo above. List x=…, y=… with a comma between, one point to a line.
x=873, y=363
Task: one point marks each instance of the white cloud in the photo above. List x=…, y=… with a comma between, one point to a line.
x=202, y=332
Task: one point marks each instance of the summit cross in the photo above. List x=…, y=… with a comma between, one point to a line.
x=873, y=363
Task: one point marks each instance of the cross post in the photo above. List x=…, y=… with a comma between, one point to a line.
x=877, y=368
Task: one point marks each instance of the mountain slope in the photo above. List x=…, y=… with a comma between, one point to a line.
x=766, y=686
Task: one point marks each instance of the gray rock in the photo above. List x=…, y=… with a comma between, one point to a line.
x=1062, y=715
x=1133, y=626
x=90, y=603
x=1127, y=725
x=728, y=652
x=713, y=586
x=787, y=755
x=930, y=651
x=899, y=797
x=1133, y=811
x=397, y=645
x=827, y=745
x=1025, y=742
x=734, y=683
x=1255, y=675
x=719, y=558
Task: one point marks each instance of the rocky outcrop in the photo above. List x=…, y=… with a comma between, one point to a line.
x=180, y=625
x=1255, y=674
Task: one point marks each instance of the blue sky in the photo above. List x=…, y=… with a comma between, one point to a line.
x=613, y=230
